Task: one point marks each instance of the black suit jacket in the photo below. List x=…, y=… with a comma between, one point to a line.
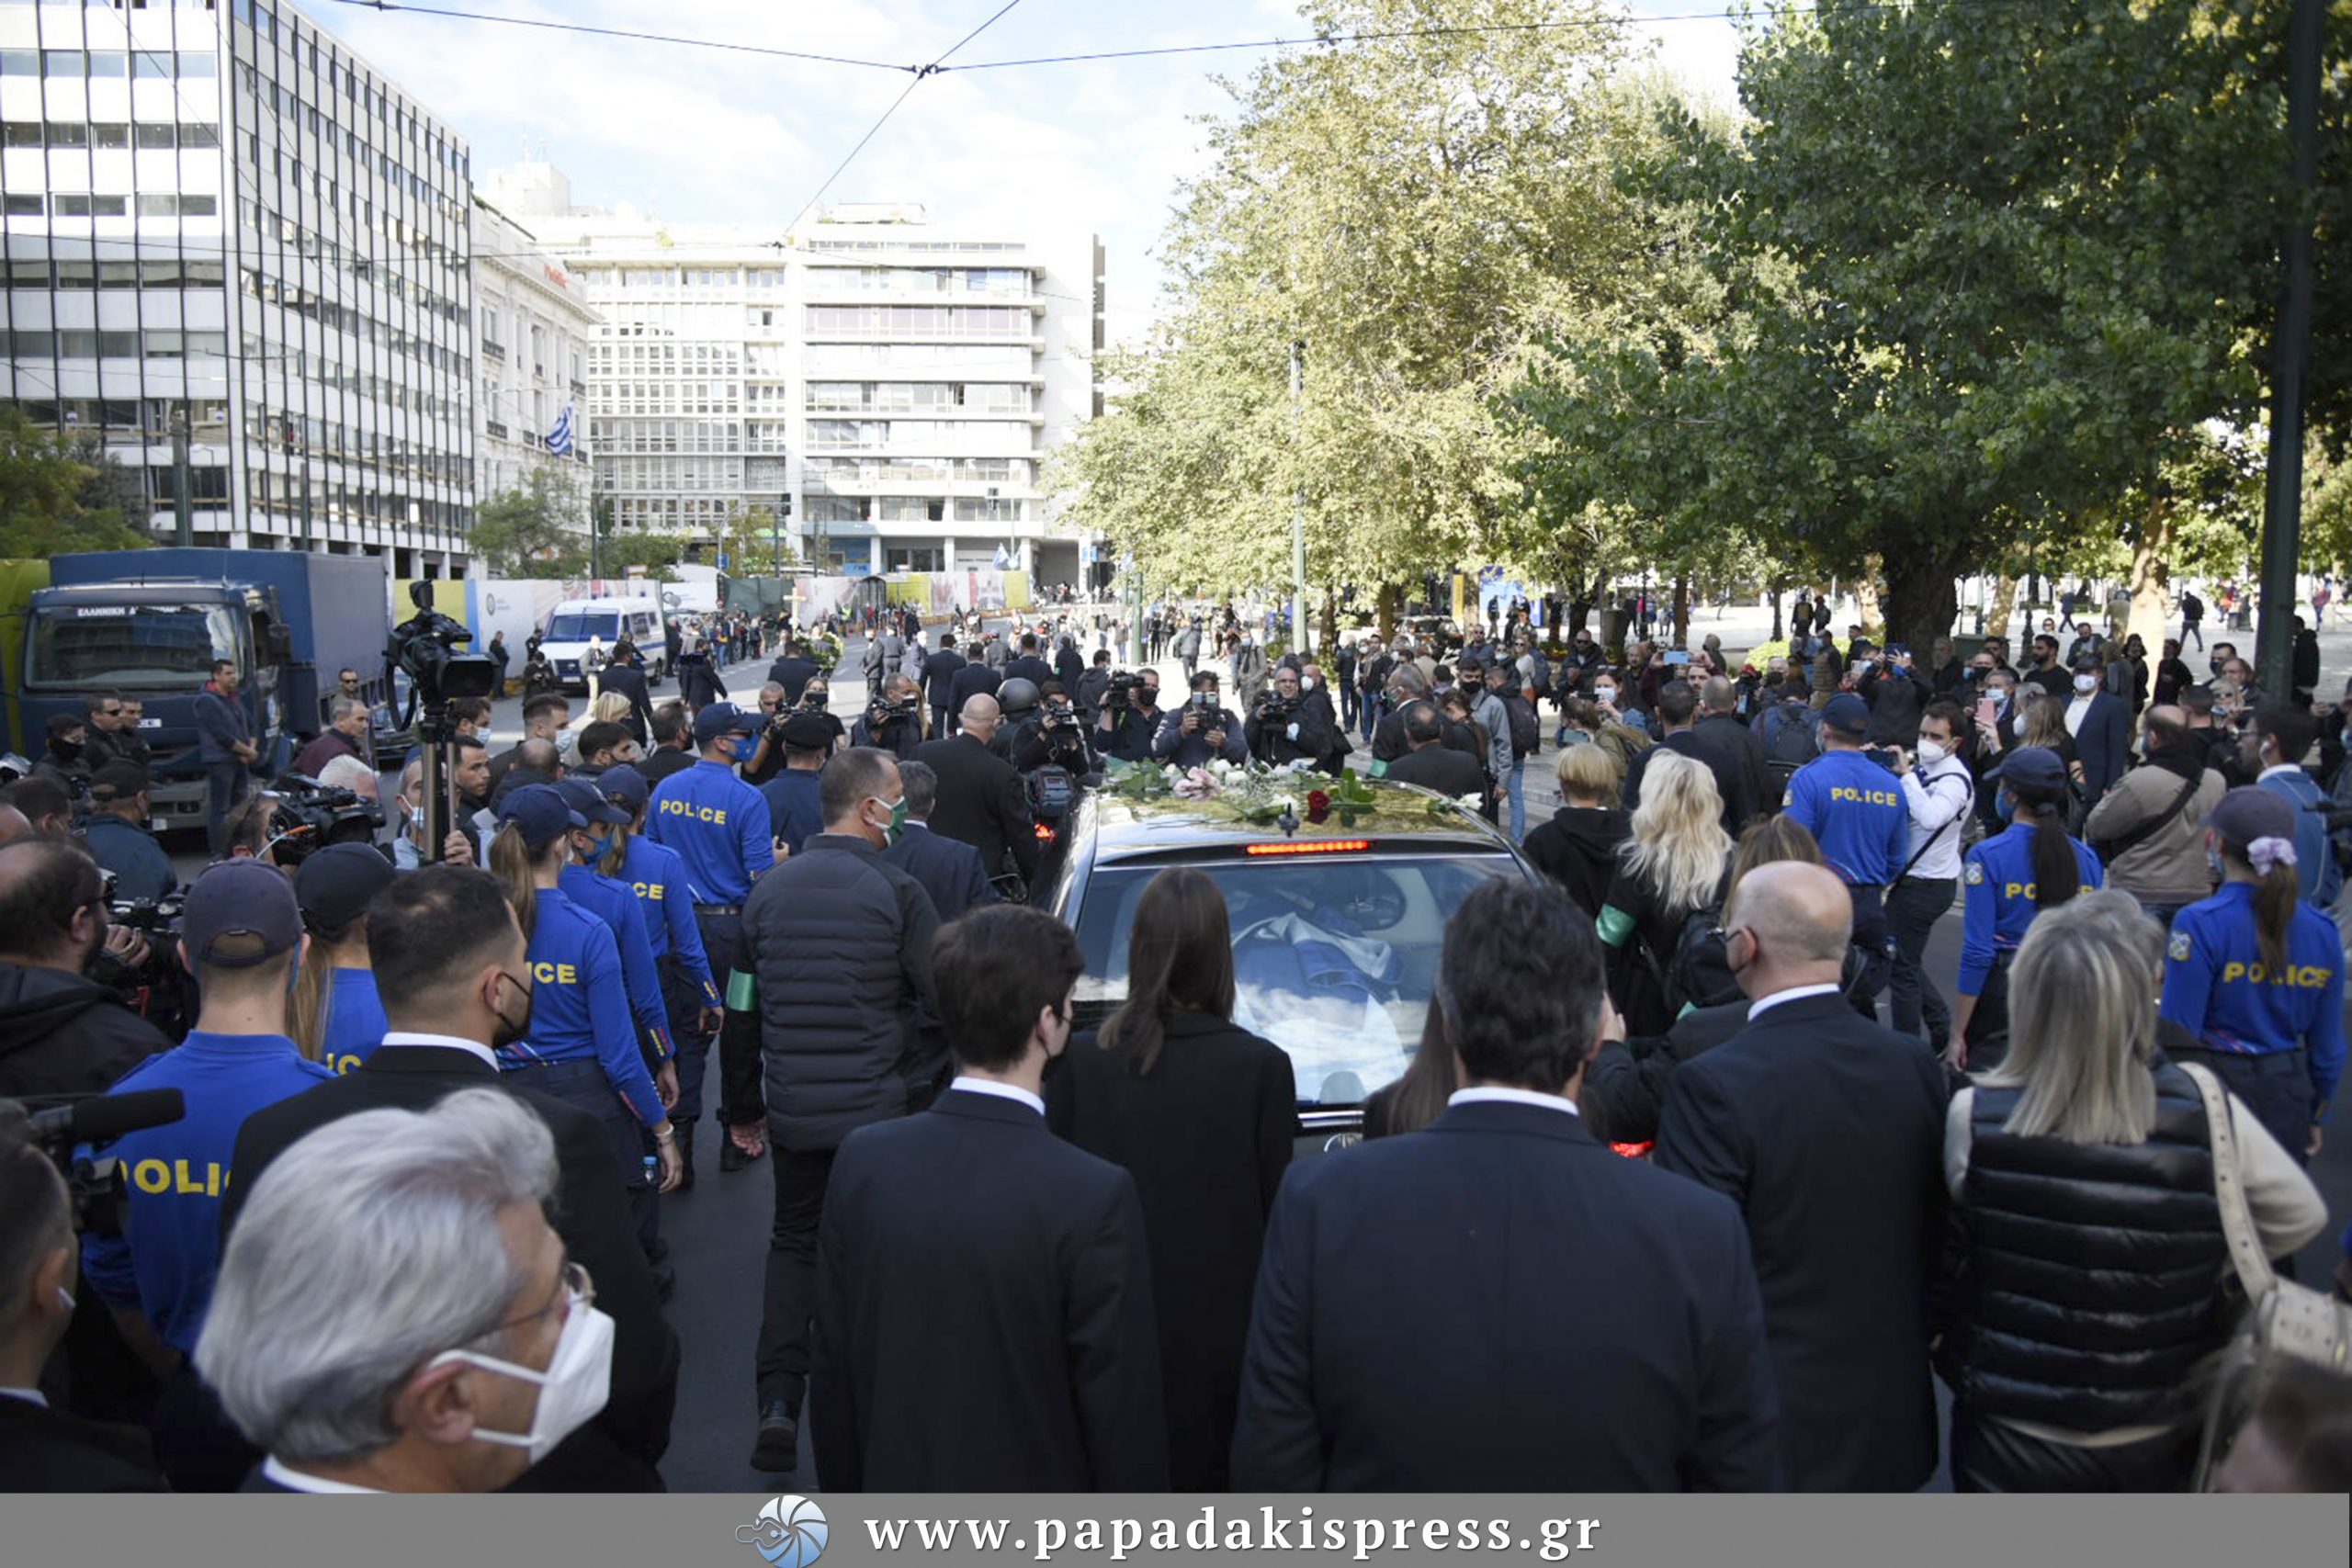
x=984, y=1313
x=939, y=677
x=1827, y=1130
x=1728, y=734
x=1500, y=1303
x=1206, y=1135
x=629, y=682
x=1029, y=667
x=971, y=681
x=617, y=1450
x=1739, y=801
x=2104, y=743
x=948, y=869
x=1440, y=768
x=54, y=1451
x=981, y=802
x=792, y=673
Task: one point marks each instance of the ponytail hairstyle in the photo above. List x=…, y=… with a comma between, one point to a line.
x=2057, y=876
x=510, y=861
x=309, y=1003
x=616, y=843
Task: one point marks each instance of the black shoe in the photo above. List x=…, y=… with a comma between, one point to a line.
x=778, y=1447
x=732, y=1158
x=685, y=1160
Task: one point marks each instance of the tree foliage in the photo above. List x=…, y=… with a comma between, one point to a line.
x=533, y=529
x=55, y=500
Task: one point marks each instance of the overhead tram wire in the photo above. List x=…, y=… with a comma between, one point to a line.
x=629, y=36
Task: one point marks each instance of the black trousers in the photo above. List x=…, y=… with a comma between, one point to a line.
x=1913, y=907
x=2276, y=1087
x=801, y=1177
x=1988, y=1026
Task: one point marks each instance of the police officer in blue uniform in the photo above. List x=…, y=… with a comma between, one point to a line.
x=610, y=899
x=2006, y=881
x=2257, y=975
x=720, y=828
x=578, y=1046
x=1852, y=804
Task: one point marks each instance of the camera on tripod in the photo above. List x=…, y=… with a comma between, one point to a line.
x=425, y=647
x=93, y=1183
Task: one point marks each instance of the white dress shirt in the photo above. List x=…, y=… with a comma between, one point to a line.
x=2078, y=709
x=1939, y=796
x=1496, y=1094
x=1794, y=993
x=443, y=1041
x=29, y=1396
x=296, y=1481
x=1002, y=1091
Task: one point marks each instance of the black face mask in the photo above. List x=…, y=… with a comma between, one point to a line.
x=510, y=1030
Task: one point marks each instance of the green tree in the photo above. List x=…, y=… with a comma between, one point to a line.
x=46, y=495
x=533, y=529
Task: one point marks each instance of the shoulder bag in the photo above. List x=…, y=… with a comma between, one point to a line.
x=2284, y=1322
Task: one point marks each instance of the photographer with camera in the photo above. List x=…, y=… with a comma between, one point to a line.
x=117, y=835
x=1129, y=721
x=1284, y=728
x=893, y=720
x=1050, y=736
x=61, y=1033
x=1203, y=727
x=41, y=1448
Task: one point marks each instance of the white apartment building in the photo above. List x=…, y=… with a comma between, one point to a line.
x=898, y=384
x=533, y=329
x=218, y=216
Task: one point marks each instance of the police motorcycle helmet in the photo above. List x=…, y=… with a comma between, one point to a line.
x=1018, y=698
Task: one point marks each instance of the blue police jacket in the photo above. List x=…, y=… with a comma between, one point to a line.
x=164, y=1262
x=611, y=901
x=794, y=811
x=354, y=1023
x=580, y=1008
x=2218, y=988
x=718, y=827
x=1996, y=879
x=1854, y=810
x=142, y=869
x=658, y=877
x=2315, y=866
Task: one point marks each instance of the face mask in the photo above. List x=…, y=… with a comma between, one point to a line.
x=1932, y=752
x=746, y=747
x=896, y=829
x=510, y=1030
x=1306, y=683
x=2086, y=685
x=574, y=1387
x=65, y=1300
x=2000, y=700
x=2004, y=806
x=1605, y=693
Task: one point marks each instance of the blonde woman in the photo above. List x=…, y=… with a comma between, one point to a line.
x=609, y=707
x=1674, y=865
x=2088, y=1239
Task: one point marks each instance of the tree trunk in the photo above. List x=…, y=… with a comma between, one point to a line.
x=1922, y=597
x=1682, y=610
x=1775, y=589
x=2005, y=595
x=2151, y=553
x=1868, y=607
x=1385, y=610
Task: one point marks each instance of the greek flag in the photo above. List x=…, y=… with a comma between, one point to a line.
x=560, y=438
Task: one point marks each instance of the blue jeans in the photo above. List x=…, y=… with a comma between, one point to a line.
x=1347, y=705
x=224, y=786
x=1515, y=784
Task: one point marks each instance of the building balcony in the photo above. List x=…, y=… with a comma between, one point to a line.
x=493, y=350
x=495, y=430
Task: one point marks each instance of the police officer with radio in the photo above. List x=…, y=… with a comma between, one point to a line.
x=1851, y=802
x=1201, y=729
x=720, y=828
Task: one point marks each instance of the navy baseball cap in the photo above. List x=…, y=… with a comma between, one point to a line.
x=335, y=883
x=722, y=718
x=588, y=803
x=240, y=913
x=540, y=814
x=1847, y=714
x=2036, y=767
x=625, y=786
x=808, y=732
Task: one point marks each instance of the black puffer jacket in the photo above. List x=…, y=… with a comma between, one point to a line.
x=2090, y=1276
x=62, y=1035
x=839, y=941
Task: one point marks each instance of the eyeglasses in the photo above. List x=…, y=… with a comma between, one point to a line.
x=579, y=1291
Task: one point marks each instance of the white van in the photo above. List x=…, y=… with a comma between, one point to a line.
x=576, y=626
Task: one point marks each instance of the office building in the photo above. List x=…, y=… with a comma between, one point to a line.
x=896, y=383
x=533, y=327
x=220, y=219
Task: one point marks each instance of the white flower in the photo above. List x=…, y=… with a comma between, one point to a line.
x=1469, y=803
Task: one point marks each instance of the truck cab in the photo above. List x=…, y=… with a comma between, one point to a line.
x=156, y=640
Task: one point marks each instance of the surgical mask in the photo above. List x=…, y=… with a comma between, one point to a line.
x=575, y=1386
x=1932, y=752
x=1306, y=683
x=746, y=747
x=897, y=826
x=2000, y=698
x=2004, y=805
x=487, y=736
x=2086, y=685
x=1605, y=693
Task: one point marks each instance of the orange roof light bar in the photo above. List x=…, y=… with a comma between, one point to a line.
x=1317, y=847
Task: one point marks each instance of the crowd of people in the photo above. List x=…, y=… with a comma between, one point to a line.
x=1659, y=1202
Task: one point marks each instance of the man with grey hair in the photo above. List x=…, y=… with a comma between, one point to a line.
x=345, y=736
x=351, y=773
x=396, y=1314
x=1827, y=1130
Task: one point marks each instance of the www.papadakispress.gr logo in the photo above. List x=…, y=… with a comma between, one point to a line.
x=789, y=1533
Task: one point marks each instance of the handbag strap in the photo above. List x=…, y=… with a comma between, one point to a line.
x=2237, y=1219
x=1921, y=853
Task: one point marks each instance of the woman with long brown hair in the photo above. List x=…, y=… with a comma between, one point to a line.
x=1202, y=1113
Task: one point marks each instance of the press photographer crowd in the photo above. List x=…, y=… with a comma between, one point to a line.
x=343, y=1164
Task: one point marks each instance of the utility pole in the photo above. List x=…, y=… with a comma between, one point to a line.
x=2282, y=512
x=183, y=523
x=1297, y=512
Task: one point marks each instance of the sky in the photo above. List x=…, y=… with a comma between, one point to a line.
x=695, y=134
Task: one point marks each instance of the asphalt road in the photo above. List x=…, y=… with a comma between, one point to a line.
x=717, y=1233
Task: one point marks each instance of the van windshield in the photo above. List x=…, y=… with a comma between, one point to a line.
x=579, y=625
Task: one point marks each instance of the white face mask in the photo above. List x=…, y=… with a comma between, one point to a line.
x=1932, y=752
x=1605, y=693
x=574, y=1387
x=1306, y=683
x=2086, y=685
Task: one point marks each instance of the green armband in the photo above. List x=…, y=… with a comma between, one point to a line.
x=743, y=992
x=1614, y=925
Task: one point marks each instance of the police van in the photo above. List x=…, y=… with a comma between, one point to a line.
x=580, y=632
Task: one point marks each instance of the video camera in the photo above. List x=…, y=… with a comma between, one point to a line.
x=94, y=1186
x=310, y=814
x=1054, y=712
x=1274, y=704
x=884, y=711
x=425, y=647
x=1121, y=692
